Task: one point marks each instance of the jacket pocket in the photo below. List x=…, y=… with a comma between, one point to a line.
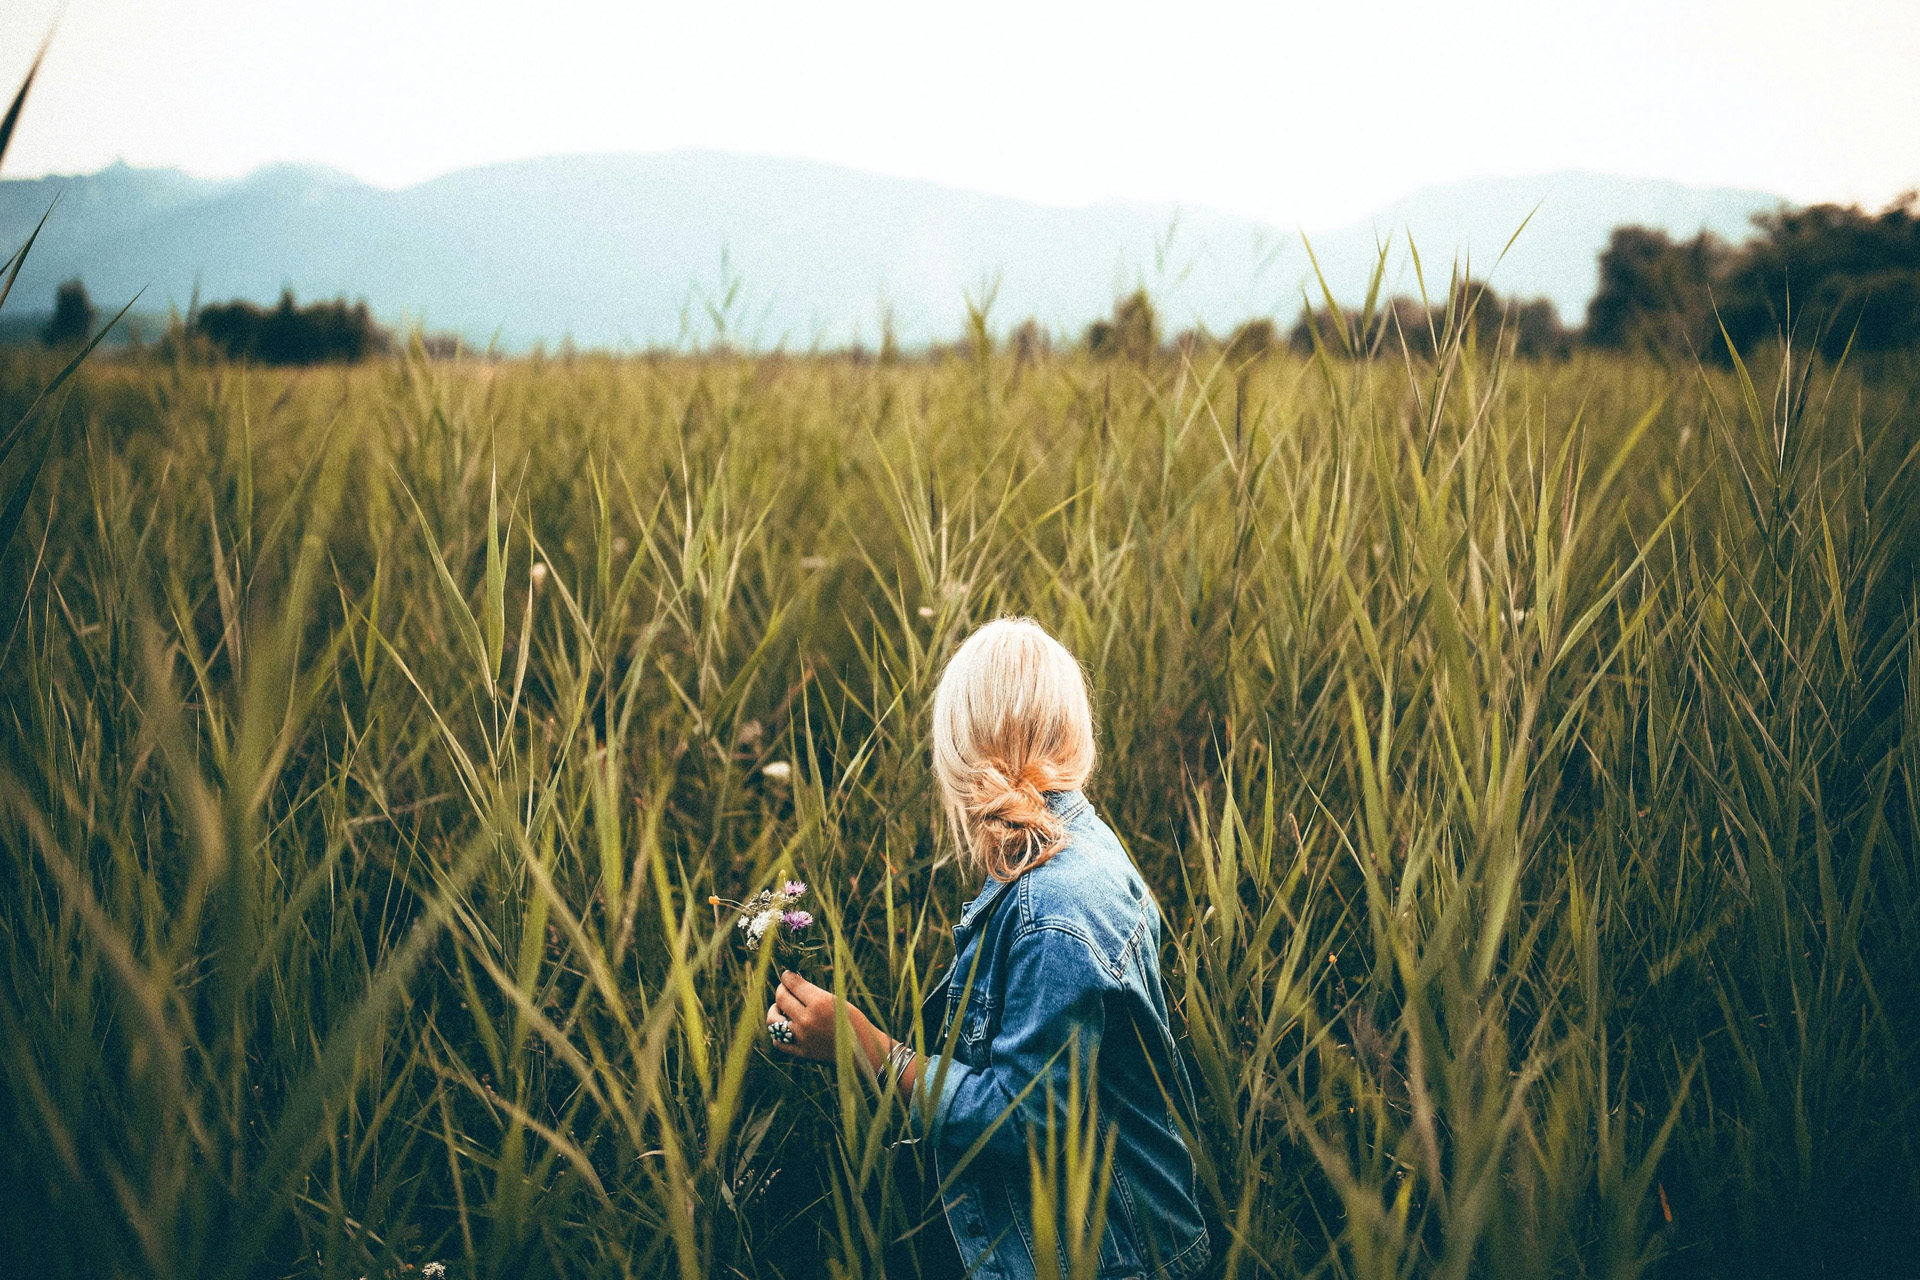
x=977, y=1026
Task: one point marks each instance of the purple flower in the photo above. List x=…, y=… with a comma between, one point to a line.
x=793, y=888
x=797, y=920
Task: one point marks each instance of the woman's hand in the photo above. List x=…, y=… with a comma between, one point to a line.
x=807, y=1013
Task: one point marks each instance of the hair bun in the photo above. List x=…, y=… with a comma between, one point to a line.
x=1012, y=816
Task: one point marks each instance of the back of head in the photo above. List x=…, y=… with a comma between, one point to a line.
x=1011, y=722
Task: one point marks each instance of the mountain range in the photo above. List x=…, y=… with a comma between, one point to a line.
x=634, y=251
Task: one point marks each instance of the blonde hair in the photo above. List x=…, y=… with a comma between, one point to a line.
x=1011, y=722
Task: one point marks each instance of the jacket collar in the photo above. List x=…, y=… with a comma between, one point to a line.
x=975, y=909
x=1066, y=805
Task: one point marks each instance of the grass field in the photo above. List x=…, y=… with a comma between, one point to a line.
x=1524, y=756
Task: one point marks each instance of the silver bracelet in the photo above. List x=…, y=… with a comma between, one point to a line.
x=899, y=1058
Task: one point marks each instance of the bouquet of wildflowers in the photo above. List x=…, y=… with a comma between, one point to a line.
x=775, y=911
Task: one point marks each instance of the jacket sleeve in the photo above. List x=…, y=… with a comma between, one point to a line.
x=1056, y=995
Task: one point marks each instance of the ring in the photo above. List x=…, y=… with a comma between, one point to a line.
x=780, y=1032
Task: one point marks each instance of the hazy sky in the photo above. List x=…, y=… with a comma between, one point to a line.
x=1304, y=114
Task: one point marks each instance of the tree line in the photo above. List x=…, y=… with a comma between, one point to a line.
x=1831, y=277
x=287, y=333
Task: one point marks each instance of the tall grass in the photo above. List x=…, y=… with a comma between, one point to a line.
x=1524, y=758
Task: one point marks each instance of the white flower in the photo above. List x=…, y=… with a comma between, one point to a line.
x=777, y=770
x=539, y=573
x=433, y=1271
x=758, y=925
x=620, y=546
x=813, y=564
x=926, y=611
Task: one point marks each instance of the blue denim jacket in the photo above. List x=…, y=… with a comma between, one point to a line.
x=1073, y=951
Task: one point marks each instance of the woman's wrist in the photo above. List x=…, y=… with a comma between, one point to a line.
x=874, y=1045
x=899, y=1071
x=892, y=1061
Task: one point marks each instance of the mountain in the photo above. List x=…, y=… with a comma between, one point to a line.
x=644, y=250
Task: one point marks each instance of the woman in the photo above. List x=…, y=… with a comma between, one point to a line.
x=1056, y=971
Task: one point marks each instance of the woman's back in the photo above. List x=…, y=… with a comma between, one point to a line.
x=1067, y=989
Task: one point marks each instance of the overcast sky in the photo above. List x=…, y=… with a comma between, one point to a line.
x=1302, y=114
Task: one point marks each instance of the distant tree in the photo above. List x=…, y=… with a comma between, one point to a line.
x=1332, y=329
x=1655, y=294
x=441, y=346
x=1252, y=340
x=1030, y=342
x=1830, y=274
x=1404, y=322
x=73, y=316
x=1537, y=331
x=232, y=327
x=287, y=333
x=1473, y=310
x=1133, y=333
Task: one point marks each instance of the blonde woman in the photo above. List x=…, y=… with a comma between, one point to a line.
x=1062, y=948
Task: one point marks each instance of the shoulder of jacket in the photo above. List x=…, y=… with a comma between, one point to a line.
x=1088, y=892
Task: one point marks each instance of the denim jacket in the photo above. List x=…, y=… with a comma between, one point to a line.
x=1073, y=951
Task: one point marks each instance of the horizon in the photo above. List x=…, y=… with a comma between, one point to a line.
x=1260, y=114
